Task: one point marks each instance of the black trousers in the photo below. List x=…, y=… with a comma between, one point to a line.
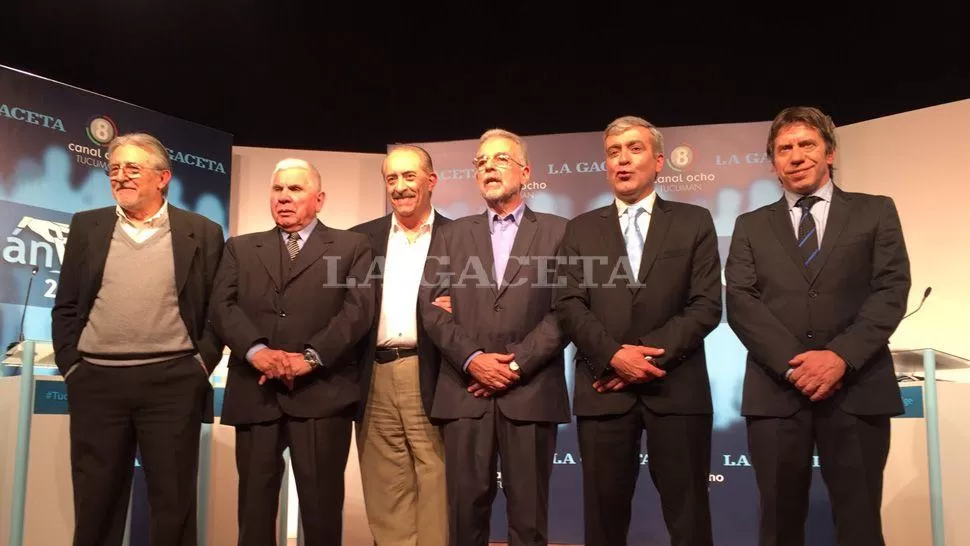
x=472, y=448
x=318, y=456
x=852, y=452
x=679, y=457
x=157, y=407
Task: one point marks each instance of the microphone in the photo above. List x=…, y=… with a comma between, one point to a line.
x=23, y=315
x=926, y=294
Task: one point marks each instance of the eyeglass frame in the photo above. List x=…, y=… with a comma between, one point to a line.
x=132, y=175
x=502, y=161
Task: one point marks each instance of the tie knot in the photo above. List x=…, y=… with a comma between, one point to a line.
x=295, y=236
x=807, y=202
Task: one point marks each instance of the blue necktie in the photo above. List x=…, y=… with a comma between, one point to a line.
x=807, y=232
x=634, y=239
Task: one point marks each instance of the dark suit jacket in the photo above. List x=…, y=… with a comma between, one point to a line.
x=197, y=245
x=428, y=356
x=318, y=302
x=851, y=305
x=516, y=318
x=675, y=306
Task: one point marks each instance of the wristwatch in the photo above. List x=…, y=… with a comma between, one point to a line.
x=514, y=366
x=310, y=358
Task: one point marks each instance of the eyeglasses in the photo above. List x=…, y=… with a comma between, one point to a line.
x=131, y=170
x=501, y=161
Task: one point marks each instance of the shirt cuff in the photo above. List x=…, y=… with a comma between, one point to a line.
x=469, y=360
x=253, y=350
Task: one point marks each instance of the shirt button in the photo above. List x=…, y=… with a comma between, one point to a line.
x=810, y=334
x=282, y=314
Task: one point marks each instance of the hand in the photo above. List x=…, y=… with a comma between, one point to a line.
x=443, y=302
x=296, y=366
x=271, y=362
x=480, y=391
x=634, y=363
x=818, y=374
x=492, y=370
x=610, y=384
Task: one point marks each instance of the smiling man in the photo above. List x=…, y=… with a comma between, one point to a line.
x=132, y=341
x=402, y=456
x=292, y=304
x=816, y=284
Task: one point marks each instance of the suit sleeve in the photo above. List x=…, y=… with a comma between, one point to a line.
x=66, y=321
x=210, y=344
x=768, y=341
x=542, y=344
x=572, y=308
x=684, y=332
x=885, y=305
x=356, y=316
x=229, y=321
x=453, y=342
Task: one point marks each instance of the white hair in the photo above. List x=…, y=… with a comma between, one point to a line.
x=296, y=163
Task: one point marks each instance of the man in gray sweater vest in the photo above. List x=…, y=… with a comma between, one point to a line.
x=135, y=348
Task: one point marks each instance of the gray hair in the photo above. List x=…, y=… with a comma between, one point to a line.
x=508, y=135
x=146, y=142
x=296, y=163
x=625, y=123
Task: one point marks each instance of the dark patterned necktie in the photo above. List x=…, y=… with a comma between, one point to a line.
x=293, y=245
x=807, y=231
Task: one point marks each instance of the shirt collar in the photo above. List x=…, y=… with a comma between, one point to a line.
x=426, y=226
x=646, y=204
x=153, y=221
x=824, y=193
x=515, y=214
x=305, y=232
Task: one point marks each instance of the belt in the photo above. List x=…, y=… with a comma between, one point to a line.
x=393, y=353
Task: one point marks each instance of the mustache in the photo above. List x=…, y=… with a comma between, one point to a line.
x=400, y=194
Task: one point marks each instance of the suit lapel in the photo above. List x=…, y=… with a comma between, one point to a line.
x=317, y=244
x=482, y=238
x=520, y=247
x=184, y=246
x=268, y=252
x=780, y=220
x=380, y=255
x=612, y=236
x=659, y=225
x=838, y=217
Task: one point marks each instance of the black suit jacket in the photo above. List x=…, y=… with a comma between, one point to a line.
x=319, y=301
x=516, y=318
x=197, y=245
x=675, y=305
x=851, y=305
x=428, y=356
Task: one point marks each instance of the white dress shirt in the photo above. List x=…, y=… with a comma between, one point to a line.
x=403, y=266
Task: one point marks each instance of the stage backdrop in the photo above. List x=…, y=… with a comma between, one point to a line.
x=53, y=144
x=721, y=167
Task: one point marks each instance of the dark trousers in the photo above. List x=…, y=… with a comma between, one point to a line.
x=852, y=452
x=318, y=456
x=157, y=407
x=679, y=461
x=472, y=447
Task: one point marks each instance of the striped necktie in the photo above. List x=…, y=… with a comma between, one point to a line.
x=293, y=244
x=807, y=232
